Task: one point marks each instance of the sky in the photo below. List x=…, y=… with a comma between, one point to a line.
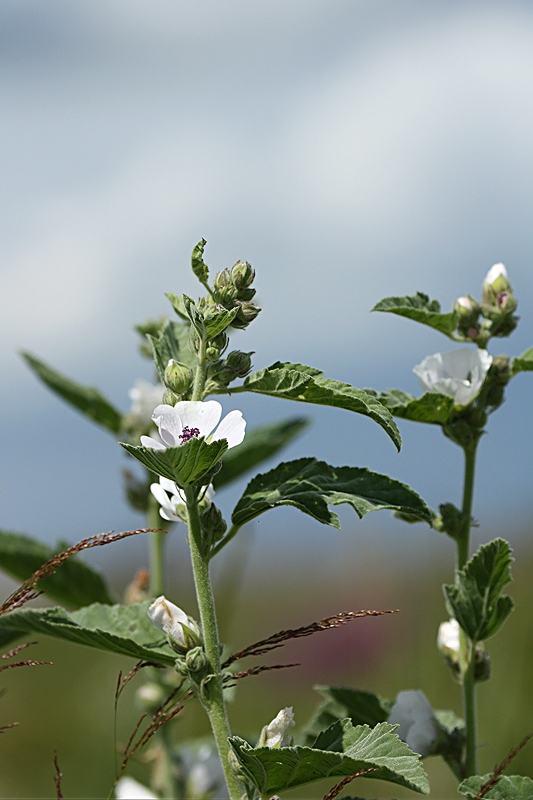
x=348, y=150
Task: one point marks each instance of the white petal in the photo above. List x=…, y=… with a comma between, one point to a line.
x=418, y=726
x=130, y=789
x=168, y=515
x=159, y=493
x=169, y=423
x=231, y=428
x=198, y=414
x=168, y=486
x=168, y=617
x=147, y=441
x=494, y=272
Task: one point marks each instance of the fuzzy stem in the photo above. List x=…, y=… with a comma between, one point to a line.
x=214, y=703
x=201, y=373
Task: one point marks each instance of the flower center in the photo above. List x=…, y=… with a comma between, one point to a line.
x=189, y=433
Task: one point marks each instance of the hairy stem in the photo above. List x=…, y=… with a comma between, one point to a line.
x=201, y=373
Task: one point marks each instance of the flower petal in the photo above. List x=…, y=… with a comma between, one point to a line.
x=198, y=414
x=231, y=428
x=169, y=423
x=147, y=441
x=168, y=485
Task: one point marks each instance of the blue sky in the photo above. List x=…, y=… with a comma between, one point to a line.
x=348, y=150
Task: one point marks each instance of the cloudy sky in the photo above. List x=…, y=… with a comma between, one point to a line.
x=348, y=150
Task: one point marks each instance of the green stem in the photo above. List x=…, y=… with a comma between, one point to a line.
x=157, y=545
x=201, y=373
x=214, y=702
x=467, y=653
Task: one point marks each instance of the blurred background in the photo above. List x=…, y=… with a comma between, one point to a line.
x=349, y=151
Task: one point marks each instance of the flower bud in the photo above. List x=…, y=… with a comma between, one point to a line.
x=497, y=290
x=213, y=525
x=276, y=733
x=196, y=660
x=247, y=313
x=239, y=363
x=182, y=631
x=169, y=398
x=448, y=641
x=178, y=377
x=225, y=291
x=242, y=274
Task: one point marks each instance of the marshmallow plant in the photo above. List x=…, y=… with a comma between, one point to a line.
x=189, y=445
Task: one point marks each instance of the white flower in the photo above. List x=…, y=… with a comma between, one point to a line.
x=190, y=419
x=144, y=398
x=458, y=374
x=448, y=640
x=276, y=733
x=180, y=628
x=130, y=789
x=177, y=497
x=418, y=726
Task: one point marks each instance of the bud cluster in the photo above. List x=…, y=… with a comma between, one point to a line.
x=236, y=365
x=494, y=316
x=233, y=289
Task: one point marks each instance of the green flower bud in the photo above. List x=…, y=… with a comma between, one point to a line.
x=178, y=377
x=169, y=398
x=242, y=274
x=196, y=660
x=239, y=363
x=224, y=289
x=216, y=347
x=247, y=313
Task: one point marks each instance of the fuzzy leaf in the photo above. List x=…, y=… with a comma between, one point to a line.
x=476, y=599
x=119, y=629
x=74, y=583
x=195, y=315
x=340, y=751
x=311, y=485
x=420, y=308
x=171, y=342
x=85, y=398
x=199, y=267
x=432, y=407
x=218, y=321
x=508, y=787
x=258, y=445
x=360, y=707
x=523, y=363
x=307, y=385
x=185, y=464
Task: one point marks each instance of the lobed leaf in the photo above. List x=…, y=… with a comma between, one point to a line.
x=307, y=385
x=125, y=630
x=86, y=399
x=185, y=464
x=432, y=407
x=340, y=751
x=508, y=787
x=420, y=308
x=476, y=599
x=74, y=583
x=311, y=485
x=259, y=444
x=523, y=363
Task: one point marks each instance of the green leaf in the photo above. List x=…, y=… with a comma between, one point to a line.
x=178, y=305
x=340, y=751
x=216, y=322
x=311, y=485
x=85, y=398
x=185, y=464
x=307, y=385
x=119, y=629
x=420, y=308
x=171, y=342
x=476, y=600
x=258, y=445
x=7, y=637
x=432, y=407
x=360, y=707
x=508, y=787
x=74, y=583
x=523, y=363
x=195, y=315
x=199, y=267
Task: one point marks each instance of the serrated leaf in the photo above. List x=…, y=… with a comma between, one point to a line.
x=74, y=583
x=523, y=363
x=119, y=629
x=86, y=399
x=171, y=342
x=508, y=787
x=476, y=599
x=307, y=385
x=178, y=305
x=432, y=408
x=359, y=706
x=311, y=485
x=185, y=464
x=218, y=321
x=420, y=308
x=258, y=445
x=195, y=315
x=199, y=267
x=340, y=751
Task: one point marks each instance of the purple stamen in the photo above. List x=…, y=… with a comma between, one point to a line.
x=189, y=433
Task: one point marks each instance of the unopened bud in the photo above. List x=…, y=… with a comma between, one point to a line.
x=497, y=290
x=239, y=363
x=178, y=377
x=448, y=641
x=169, y=398
x=182, y=631
x=242, y=274
x=247, y=313
x=196, y=660
x=225, y=290
x=276, y=733
x=213, y=525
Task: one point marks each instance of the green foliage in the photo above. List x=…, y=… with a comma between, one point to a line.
x=523, y=363
x=359, y=706
x=217, y=321
x=199, y=267
x=307, y=385
x=171, y=342
x=339, y=751
x=310, y=485
x=259, y=444
x=74, y=583
x=85, y=398
x=508, y=787
x=420, y=308
x=119, y=629
x=432, y=407
x=185, y=464
x=476, y=599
